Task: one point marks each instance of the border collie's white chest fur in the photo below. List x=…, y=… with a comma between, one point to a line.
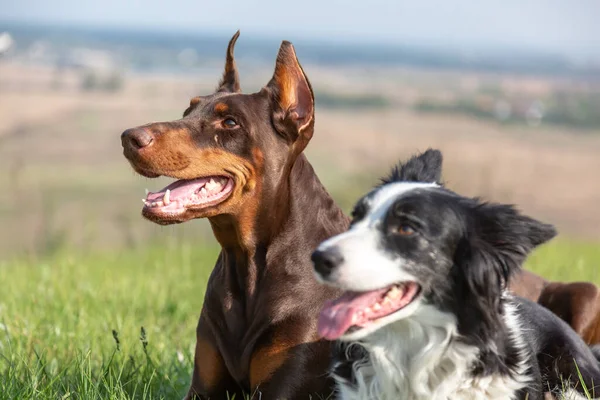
x=421, y=359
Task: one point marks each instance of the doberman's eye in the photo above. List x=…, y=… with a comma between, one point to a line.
x=229, y=123
x=405, y=230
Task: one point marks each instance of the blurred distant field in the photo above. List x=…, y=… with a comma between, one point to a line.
x=67, y=184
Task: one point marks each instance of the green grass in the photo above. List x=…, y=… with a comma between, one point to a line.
x=57, y=317
x=567, y=261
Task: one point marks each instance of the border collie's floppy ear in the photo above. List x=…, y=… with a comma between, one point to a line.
x=497, y=241
x=510, y=234
x=425, y=167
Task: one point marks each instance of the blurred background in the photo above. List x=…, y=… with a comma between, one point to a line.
x=98, y=303
x=510, y=92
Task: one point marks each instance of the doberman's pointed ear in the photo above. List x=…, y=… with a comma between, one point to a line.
x=292, y=98
x=231, y=80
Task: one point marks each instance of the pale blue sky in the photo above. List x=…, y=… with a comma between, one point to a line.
x=568, y=27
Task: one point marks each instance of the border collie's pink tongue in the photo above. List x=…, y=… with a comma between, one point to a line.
x=358, y=309
x=337, y=316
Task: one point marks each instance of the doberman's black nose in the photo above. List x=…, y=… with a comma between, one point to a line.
x=136, y=138
x=325, y=261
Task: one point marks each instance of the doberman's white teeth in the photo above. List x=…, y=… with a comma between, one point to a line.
x=167, y=197
x=159, y=204
x=145, y=202
x=211, y=184
x=203, y=191
x=376, y=307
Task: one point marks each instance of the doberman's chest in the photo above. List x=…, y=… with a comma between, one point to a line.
x=243, y=329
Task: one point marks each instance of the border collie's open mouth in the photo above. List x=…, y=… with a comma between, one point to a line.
x=357, y=310
x=188, y=194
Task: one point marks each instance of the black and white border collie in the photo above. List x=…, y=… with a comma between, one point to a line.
x=426, y=314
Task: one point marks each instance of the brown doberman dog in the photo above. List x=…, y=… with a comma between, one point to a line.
x=238, y=160
x=577, y=303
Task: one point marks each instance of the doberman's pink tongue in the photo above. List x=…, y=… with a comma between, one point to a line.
x=337, y=316
x=179, y=190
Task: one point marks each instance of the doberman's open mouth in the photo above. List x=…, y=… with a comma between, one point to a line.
x=183, y=195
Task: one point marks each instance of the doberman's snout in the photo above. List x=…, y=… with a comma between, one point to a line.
x=136, y=138
x=325, y=261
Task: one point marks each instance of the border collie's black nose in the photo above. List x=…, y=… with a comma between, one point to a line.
x=326, y=260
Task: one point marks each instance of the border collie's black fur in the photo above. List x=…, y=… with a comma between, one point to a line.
x=458, y=334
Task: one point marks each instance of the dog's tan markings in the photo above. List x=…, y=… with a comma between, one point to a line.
x=176, y=155
x=221, y=108
x=194, y=101
x=585, y=302
x=266, y=360
x=578, y=304
x=245, y=205
x=209, y=367
x=591, y=335
x=259, y=162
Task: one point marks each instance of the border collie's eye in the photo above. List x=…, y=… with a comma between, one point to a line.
x=358, y=212
x=229, y=123
x=405, y=230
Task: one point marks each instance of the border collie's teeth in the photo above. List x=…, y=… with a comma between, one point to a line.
x=159, y=204
x=167, y=197
x=376, y=307
x=203, y=191
x=145, y=201
x=393, y=293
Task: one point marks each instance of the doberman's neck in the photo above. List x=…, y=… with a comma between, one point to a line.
x=291, y=218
